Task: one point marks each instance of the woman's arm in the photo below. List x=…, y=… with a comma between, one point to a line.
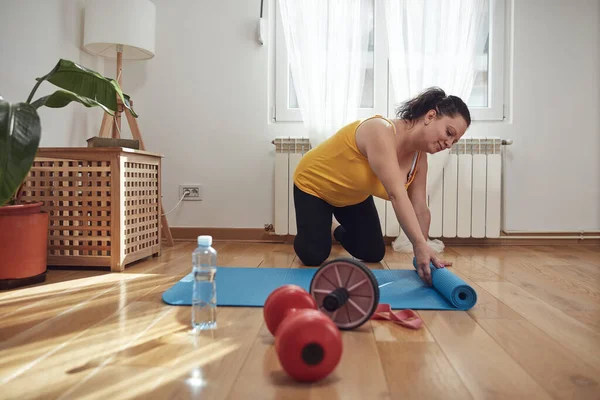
x=417, y=193
x=376, y=140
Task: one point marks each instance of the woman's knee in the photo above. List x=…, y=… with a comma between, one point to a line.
x=311, y=255
x=375, y=253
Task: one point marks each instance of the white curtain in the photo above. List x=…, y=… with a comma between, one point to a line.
x=434, y=43
x=327, y=42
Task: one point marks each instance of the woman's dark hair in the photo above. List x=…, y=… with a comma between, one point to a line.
x=433, y=98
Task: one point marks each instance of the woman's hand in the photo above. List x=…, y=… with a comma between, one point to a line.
x=424, y=255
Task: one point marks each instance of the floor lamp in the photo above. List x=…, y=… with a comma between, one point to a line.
x=122, y=30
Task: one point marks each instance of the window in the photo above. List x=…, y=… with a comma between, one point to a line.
x=487, y=97
x=374, y=97
x=486, y=101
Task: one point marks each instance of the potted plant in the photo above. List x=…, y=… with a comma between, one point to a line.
x=23, y=226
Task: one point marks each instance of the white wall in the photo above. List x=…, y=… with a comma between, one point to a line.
x=554, y=97
x=204, y=103
x=35, y=35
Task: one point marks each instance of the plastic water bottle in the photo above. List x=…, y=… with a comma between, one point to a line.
x=204, y=293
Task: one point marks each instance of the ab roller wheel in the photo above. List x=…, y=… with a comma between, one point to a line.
x=343, y=295
x=346, y=291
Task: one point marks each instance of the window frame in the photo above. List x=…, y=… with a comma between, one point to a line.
x=383, y=89
x=494, y=111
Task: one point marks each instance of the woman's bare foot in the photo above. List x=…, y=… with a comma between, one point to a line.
x=334, y=225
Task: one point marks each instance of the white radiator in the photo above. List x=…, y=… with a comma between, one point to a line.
x=464, y=189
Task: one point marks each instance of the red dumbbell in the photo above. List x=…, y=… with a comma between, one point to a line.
x=307, y=342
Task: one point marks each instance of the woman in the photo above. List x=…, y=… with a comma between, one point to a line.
x=375, y=157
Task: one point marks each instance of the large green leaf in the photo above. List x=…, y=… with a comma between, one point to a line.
x=86, y=83
x=20, y=132
x=62, y=98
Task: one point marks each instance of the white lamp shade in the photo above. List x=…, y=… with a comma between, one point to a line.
x=130, y=23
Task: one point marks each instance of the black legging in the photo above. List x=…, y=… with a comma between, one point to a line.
x=359, y=231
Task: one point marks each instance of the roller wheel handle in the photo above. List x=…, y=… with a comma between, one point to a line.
x=307, y=342
x=346, y=291
x=336, y=299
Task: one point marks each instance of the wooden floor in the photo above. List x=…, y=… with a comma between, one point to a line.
x=535, y=333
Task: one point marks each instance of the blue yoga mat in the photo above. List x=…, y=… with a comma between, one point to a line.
x=401, y=289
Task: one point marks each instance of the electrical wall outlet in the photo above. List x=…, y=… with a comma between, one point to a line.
x=195, y=192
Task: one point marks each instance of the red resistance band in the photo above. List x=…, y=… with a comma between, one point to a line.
x=406, y=318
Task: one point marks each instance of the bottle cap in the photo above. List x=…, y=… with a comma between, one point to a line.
x=205, y=240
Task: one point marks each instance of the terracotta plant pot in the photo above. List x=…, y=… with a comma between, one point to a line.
x=23, y=245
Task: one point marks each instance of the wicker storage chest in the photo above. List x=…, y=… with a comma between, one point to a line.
x=104, y=204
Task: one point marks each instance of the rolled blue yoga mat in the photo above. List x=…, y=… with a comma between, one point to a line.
x=451, y=287
x=401, y=289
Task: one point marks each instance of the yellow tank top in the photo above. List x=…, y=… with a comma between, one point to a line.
x=337, y=172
